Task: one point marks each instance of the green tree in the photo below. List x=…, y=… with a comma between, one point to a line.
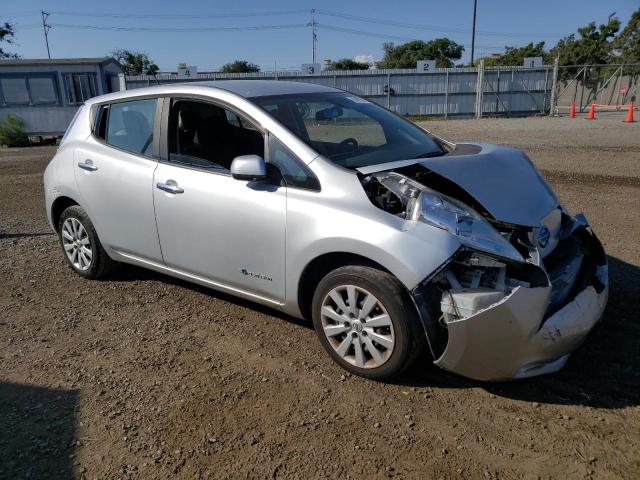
x=240, y=66
x=515, y=55
x=7, y=34
x=593, y=46
x=348, y=64
x=443, y=50
x=627, y=44
x=12, y=132
x=135, y=63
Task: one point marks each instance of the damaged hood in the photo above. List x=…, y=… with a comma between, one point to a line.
x=503, y=180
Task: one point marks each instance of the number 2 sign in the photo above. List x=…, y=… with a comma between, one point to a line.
x=426, y=66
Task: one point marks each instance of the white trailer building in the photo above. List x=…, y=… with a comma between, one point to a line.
x=45, y=93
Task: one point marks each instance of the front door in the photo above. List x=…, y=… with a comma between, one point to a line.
x=226, y=231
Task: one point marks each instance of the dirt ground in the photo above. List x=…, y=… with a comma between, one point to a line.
x=144, y=376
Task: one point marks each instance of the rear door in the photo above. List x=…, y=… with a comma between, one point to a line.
x=114, y=173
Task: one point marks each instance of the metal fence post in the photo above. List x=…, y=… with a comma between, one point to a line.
x=511, y=91
x=388, y=91
x=446, y=95
x=498, y=94
x=479, y=90
x=122, y=82
x=554, y=82
x=584, y=80
x=546, y=88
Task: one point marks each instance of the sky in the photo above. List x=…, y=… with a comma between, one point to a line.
x=209, y=34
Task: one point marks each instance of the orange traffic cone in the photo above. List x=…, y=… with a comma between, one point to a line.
x=629, y=117
x=572, y=111
x=592, y=112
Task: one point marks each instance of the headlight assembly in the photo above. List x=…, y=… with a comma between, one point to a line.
x=462, y=221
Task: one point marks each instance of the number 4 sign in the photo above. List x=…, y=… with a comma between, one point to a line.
x=187, y=72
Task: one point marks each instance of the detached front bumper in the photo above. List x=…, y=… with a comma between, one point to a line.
x=529, y=332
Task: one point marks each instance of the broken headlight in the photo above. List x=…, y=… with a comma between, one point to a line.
x=462, y=221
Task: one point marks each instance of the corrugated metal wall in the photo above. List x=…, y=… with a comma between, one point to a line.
x=445, y=92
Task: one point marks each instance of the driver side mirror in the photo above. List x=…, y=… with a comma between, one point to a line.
x=249, y=167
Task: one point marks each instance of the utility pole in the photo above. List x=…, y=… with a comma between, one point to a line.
x=473, y=30
x=314, y=36
x=46, y=27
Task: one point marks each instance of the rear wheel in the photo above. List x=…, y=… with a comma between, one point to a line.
x=366, y=322
x=82, y=248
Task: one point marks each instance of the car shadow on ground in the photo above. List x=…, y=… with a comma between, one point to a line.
x=604, y=372
x=25, y=235
x=131, y=273
x=37, y=431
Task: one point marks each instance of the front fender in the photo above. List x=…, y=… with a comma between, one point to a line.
x=410, y=254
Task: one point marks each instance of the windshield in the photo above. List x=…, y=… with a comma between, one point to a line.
x=348, y=130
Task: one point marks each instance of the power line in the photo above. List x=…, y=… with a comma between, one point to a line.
x=330, y=13
x=325, y=26
x=386, y=36
x=179, y=29
x=178, y=15
x=381, y=21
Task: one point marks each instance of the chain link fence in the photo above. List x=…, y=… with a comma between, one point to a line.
x=611, y=87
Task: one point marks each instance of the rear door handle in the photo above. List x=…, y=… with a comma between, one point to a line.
x=87, y=165
x=169, y=187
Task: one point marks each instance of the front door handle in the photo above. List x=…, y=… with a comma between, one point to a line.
x=169, y=187
x=87, y=165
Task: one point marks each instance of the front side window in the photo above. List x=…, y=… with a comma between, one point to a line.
x=129, y=125
x=348, y=130
x=294, y=172
x=208, y=136
x=80, y=87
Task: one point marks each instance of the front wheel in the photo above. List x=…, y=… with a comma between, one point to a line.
x=366, y=322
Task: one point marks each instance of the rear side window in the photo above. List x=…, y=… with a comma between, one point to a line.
x=128, y=125
x=100, y=127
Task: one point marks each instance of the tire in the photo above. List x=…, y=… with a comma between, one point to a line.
x=392, y=326
x=81, y=246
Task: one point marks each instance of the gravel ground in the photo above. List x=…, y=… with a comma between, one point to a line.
x=144, y=376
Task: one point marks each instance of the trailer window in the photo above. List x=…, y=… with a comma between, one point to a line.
x=42, y=90
x=14, y=91
x=29, y=89
x=80, y=87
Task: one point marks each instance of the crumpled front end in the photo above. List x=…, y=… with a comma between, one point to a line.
x=490, y=318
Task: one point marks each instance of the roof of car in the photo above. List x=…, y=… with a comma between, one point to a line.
x=264, y=88
x=242, y=88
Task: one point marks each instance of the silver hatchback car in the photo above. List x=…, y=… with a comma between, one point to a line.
x=326, y=206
